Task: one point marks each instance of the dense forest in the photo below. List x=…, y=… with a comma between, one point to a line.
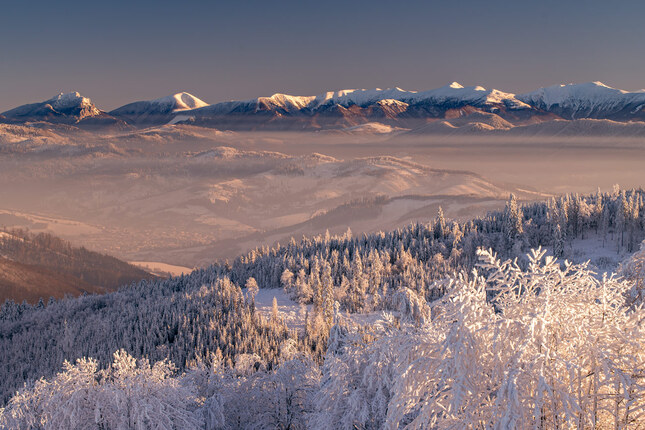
x=40, y=266
x=448, y=347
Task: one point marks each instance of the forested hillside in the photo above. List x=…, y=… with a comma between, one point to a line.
x=452, y=349
x=40, y=266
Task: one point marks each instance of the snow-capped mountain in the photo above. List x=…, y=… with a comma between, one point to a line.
x=588, y=100
x=158, y=111
x=65, y=108
x=71, y=105
x=454, y=94
x=351, y=107
x=392, y=107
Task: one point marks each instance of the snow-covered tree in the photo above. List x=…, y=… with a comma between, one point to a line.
x=252, y=289
x=634, y=270
x=128, y=395
x=512, y=226
x=557, y=348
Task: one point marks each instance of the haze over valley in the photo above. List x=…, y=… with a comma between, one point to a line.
x=154, y=181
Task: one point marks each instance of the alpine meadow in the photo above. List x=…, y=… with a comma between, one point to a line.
x=234, y=256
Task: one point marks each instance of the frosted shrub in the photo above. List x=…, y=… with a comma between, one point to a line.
x=554, y=348
x=128, y=395
x=546, y=347
x=634, y=270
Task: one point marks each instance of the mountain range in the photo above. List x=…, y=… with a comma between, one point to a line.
x=479, y=108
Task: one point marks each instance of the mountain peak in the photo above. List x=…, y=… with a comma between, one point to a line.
x=65, y=107
x=455, y=85
x=69, y=100
x=586, y=100
x=66, y=96
x=181, y=101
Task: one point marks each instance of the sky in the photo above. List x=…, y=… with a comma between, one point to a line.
x=116, y=52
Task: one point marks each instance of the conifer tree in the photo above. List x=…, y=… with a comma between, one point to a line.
x=440, y=225
x=558, y=242
x=512, y=226
x=252, y=289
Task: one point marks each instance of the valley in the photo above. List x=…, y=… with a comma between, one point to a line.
x=186, y=195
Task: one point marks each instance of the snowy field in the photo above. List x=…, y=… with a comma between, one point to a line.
x=292, y=312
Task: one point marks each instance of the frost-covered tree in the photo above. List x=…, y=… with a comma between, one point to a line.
x=258, y=399
x=287, y=282
x=251, y=289
x=440, y=225
x=558, y=241
x=634, y=270
x=512, y=226
x=327, y=294
x=357, y=377
x=128, y=395
x=556, y=348
x=275, y=313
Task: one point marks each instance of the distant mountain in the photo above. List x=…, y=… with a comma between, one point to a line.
x=159, y=111
x=590, y=100
x=493, y=125
x=340, y=110
x=63, y=107
x=71, y=108
x=347, y=108
x=582, y=127
x=43, y=266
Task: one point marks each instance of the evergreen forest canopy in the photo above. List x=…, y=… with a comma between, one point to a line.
x=528, y=342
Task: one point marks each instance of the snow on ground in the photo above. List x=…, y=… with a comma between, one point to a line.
x=292, y=312
x=161, y=269
x=602, y=254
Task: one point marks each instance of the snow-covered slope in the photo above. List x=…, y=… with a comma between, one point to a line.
x=351, y=107
x=343, y=109
x=180, y=101
x=588, y=100
x=65, y=108
x=453, y=93
x=70, y=105
x=158, y=111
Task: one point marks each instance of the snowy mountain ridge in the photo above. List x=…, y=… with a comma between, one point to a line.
x=588, y=100
x=362, y=97
x=350, y=107
x=595, y=93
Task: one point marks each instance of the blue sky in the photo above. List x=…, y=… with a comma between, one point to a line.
x=120, y=51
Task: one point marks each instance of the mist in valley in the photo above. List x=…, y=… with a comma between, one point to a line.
x=187, y=196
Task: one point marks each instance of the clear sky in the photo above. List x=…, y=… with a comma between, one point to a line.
x=118, y=51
